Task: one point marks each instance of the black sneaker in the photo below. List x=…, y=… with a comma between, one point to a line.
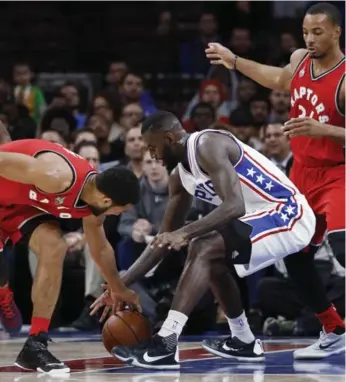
x=158, y=353
x=85, y=322
x=35, y=356
x=232, y=347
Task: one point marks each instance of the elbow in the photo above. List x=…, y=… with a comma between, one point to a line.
x=235, y=211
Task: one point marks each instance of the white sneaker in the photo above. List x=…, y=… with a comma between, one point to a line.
x=327, y=345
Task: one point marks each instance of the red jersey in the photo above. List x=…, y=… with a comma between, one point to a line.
x=317, y=97
x=64, y=205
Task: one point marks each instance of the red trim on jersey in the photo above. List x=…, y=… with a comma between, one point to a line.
x=256, y=214
x=269, y=173
x=279, y=230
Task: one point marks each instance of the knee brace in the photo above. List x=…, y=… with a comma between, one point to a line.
x=337, y=243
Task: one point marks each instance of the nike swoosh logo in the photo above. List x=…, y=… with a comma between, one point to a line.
x=322, y=347
x=149, y=359
x=227, y=348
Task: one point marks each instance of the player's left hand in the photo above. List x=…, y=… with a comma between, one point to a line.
x=304, y=127
x=174, y=240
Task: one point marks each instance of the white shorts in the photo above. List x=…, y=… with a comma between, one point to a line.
x=278, y=231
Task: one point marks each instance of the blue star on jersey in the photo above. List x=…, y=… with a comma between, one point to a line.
x=261, y=181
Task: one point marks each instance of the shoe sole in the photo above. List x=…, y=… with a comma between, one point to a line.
x=318, y=357
x=135, y=362
x=66, y=370
x=227, y=356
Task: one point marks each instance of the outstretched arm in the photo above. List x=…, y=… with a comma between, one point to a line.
x=176, y=211
x=268, y=76
x=225, y=181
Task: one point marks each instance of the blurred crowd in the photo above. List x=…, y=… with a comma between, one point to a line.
x=104, y=127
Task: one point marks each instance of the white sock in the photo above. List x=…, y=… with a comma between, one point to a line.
x=174, y=323
x=241, y=329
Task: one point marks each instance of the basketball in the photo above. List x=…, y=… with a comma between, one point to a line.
x=125, y=328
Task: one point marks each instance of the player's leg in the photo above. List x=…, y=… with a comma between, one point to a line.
x=48, y=244
x=302, y=269
x=201, y=268
x=10, y=316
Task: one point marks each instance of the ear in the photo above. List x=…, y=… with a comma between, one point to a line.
x=337, y=32
x=169, y=137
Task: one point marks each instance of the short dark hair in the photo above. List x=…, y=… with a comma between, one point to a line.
x=330, y=10
x=82, y=144
x=261, y=96
x=241, y=117
x=120, y=184
x=161, y=120
x=202, y=105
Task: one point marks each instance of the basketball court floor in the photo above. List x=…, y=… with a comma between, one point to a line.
x=89, y=362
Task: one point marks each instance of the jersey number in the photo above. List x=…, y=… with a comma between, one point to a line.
x=33, y=196
x=205, y=191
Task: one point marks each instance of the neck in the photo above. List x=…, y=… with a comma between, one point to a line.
x=181, y=148
x=158, y=185
x=87, y=192
x=329, y=60
x=281, y=156
x=136, y=167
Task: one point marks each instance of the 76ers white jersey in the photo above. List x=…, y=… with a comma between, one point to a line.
x=261, y=181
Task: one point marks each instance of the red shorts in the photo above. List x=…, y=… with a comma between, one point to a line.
x=19, y=221
x=324, y=189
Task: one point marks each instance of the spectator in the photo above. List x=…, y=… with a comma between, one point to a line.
x=145, y=218
x=277, y=147
x=18, y=121
x=192, y=54
x=60, y=119
x=288, y=44
x=213, y=92
x=134, y=150
x=84, y=135
x=242, y=126
x=132, y=114
x=240, y=42
x=72, y=99
x=246, y=91
x=109, y=151
x=116, y=72
x=280, y=102
x=54, y=136
x=202, y=117
x=107, y=103
x=90, y=152
x=132, y=91
x=26, y=93
x=259, y=108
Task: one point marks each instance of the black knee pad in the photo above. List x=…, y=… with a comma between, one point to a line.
x=337, y=243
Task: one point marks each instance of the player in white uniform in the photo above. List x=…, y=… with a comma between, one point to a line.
x=261, y=217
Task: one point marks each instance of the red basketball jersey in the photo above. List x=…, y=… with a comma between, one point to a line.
x=317, y=97
x=66, y=204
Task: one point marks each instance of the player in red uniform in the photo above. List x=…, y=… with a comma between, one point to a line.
x=42, y=183
x=316, y=79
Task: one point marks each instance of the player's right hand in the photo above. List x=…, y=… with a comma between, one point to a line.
x=113, y=302
x=220, y=55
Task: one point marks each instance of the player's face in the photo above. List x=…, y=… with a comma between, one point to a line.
x=161, y=147
x=320, y=35
x=106, y=207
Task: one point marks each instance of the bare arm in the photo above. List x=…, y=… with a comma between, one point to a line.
x=176, y=211
x=4, y=134
x=268, y=76
x=225, y=181
x=45, y=172
x=101, y=251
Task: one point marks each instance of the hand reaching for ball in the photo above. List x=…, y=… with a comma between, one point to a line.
x=114, y=301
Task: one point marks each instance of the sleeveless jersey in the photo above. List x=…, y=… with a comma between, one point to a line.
x=317, y=97
x=66, y=204
x=262, y=183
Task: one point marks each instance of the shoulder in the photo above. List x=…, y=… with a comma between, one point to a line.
x=213, y=142
x=296, y=57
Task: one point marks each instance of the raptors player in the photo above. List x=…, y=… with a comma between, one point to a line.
x=261, y=217
x=316, y=78
x=42, y=183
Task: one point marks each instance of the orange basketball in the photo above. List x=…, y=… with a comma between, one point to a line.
x=125, y=328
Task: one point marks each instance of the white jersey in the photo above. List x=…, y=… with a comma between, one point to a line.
x=261, y=181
